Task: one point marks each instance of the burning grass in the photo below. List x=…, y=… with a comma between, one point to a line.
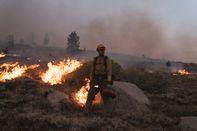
x=182, y=72
x=57, y=71
x=10, y=71
x=28, y=108
x=2, y=55
x=80, y=96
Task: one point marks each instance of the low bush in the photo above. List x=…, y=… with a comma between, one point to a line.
x=151, y=82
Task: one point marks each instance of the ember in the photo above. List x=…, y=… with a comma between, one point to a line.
x=57, y=71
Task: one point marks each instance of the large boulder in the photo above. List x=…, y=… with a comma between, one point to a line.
x=134, y=95
x=133, y=92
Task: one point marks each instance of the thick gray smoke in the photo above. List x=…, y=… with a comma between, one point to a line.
x=129, y=31
x=136, y=34
x=21, y=17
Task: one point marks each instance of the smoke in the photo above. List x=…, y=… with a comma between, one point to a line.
x=20, y=17
x=129, y=31
x=185, y=48
x=136, y=34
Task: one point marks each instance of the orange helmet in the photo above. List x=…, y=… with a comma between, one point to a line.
x=101, y=47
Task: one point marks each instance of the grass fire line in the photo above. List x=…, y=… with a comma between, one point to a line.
x=183, y=72
x=10, y=71
x=55, y=74
x=56, y=71
x=2, y=55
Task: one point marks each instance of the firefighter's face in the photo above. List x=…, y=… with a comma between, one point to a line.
x=101, y=52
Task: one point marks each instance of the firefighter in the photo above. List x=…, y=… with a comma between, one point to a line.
x=101, y=78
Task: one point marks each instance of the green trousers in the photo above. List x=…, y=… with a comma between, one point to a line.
x=102, y=83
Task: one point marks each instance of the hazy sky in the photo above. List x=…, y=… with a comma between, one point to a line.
x=156, y=28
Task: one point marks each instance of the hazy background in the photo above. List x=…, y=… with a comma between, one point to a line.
x=155, y=28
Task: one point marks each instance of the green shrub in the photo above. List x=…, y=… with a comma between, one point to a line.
x=151, y=82
x=78, y=77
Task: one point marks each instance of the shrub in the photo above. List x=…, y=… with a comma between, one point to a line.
x=151, y=82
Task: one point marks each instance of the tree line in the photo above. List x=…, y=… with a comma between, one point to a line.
x=73, y=41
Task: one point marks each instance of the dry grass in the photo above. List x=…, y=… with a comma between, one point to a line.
x=24, y=105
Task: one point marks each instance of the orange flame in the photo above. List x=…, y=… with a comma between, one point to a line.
x=57, y=71
x=2, y=55
x=13, y=70
x=81, y=96
x=183, y=72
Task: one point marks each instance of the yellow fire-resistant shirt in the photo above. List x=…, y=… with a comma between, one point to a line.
x=99, y=67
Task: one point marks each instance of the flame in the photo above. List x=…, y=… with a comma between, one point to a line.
x=33, y=66
x=57, y=71
x=11, y=71
x=81, y=96
x=183, y=72
x=2, y=55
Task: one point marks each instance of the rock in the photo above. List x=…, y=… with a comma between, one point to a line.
x=190, y=121
x=133, y=91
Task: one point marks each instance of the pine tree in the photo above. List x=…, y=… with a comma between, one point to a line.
x=73, y=43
